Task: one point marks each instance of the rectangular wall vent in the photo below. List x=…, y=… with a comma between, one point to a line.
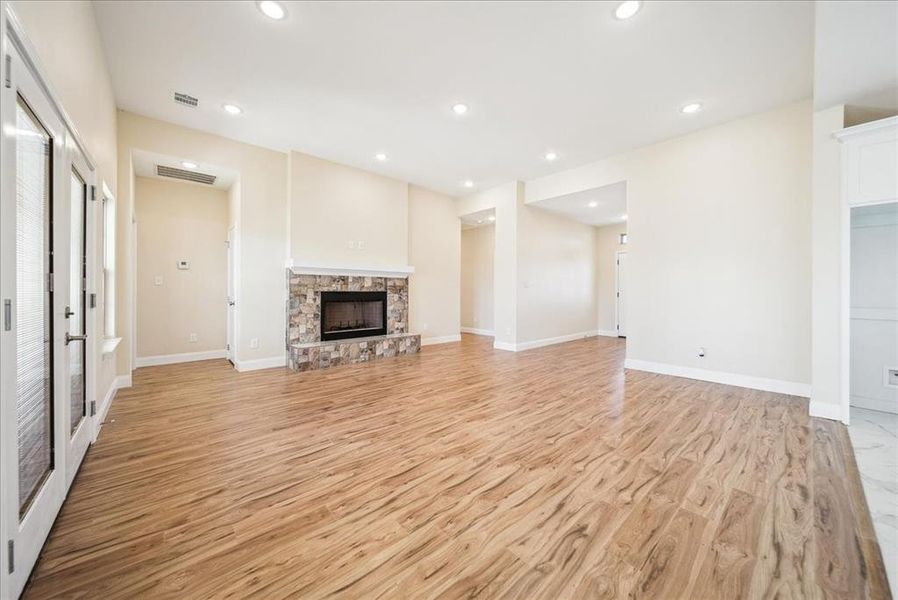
x=186, y=100
x=163, y=171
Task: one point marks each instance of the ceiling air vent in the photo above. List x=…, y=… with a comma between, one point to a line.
x=186, y=100
x=163, y=171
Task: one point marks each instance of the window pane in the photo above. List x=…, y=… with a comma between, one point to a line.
x=34, y=395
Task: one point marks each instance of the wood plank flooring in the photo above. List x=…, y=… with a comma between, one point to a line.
x=461, y=472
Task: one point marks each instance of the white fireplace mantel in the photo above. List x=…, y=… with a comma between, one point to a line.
x=353, y=271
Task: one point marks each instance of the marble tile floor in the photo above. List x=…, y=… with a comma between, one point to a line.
x=874, y=436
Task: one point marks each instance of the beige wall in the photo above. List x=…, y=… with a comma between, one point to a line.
x=556, y=276
x=719, y=245
x=434, y=238
x=334, y=205
x=478, y=246
x=67, y=42
x=180, y=221
x=261, y=233
x=607, y=245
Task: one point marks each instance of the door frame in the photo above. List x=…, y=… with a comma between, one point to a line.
x=617, y=292
x=13, y=40
x=231, y=326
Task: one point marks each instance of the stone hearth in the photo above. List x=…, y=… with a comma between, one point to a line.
x=306, y=350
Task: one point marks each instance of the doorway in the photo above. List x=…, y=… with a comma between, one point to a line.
x=620, y=292
x=478, y=244
x=232, y=296
x=47, y=213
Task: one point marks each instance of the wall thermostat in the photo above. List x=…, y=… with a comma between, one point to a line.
x=183, y=265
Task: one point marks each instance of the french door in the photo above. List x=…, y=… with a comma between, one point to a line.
x=44, y=208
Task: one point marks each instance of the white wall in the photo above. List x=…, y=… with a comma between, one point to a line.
x=478, y=247
x=334, y=205
x=556, y=277
x=434, y=240
x=719, y=246
x=180, y=221
x=262, y=234
x=607, y=245
x=874, y=306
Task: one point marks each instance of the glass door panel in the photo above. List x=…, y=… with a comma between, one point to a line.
x=34, y=331
x=76, y=309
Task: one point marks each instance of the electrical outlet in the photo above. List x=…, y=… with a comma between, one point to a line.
x=254, y=343
x=157, y=280
x=351, y=244
x=701, y=353
x=192, y=338
x=361, y=245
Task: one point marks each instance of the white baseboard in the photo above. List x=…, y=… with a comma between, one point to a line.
x=122, y=381
x=521, y=346
x=445, y=339
x=476, y=331
x=170, y=359
x=747, y=381
x=825, y=410
x=889, y=406
x=257, y=364
x=606, y=333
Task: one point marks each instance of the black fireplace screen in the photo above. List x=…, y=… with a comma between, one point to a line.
x=353, y=314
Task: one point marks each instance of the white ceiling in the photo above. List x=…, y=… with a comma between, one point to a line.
x=145, y=166
x=345, y=80
x=481, y=218
x=611, y=204
x=856, y=54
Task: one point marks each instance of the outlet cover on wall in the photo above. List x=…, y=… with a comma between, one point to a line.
x=361, y=245
x=254, y=343
x=192, y=338
x=157, y=280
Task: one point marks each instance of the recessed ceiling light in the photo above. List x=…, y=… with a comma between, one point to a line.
x=272, y=9
x=551, y=156
x=468, y=183
x=691, y=108
x=479, y=221
x=459, y=108
x=491, y=218
x=623, y=218
x=593, y=204
x=380, y=156
x=188, y=165
x=627, y=9
x=232, y=109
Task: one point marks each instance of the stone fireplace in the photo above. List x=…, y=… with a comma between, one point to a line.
x=335, y=319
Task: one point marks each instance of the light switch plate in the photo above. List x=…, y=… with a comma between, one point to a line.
x=183, y=265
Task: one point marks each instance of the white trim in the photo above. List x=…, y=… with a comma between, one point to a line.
x=521, y=346
x=825, y=410
x=476, y=331
x=617, y=254
x=373, y=271
x=792, y=388
x=122, y=381
x=261, y=363
x=109, y=345
x=606, y=333
x=444, y=339
x=170, y=359
x=863, y=128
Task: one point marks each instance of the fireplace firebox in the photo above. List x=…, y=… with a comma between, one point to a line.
x=353, y=314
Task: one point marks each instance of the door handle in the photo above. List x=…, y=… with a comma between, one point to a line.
x=231, y=302
x=74, y=338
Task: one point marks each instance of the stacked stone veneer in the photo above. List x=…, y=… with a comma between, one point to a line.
x=306, y=351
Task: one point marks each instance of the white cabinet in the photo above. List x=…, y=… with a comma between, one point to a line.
x=870, y=162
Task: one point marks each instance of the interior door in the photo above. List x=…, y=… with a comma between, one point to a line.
x=31, y=346
x=621, y=284
x=232, y=302
x=79, y=425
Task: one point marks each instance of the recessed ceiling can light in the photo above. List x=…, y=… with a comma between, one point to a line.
x=551, y=156
x=593, y=204
x=479, y=221
x=380, y=156
x=623, y=218
x=188, y=165
x=232, y=109
x=272, y=9
x=491, y=218
x=627, y=9
x=459, y=108
x=468, y=183
x=691, y=108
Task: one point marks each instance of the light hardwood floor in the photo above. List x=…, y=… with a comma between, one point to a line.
x=461, y=472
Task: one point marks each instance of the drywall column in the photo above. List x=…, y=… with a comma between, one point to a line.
x=826, y=269
x=506, y=200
